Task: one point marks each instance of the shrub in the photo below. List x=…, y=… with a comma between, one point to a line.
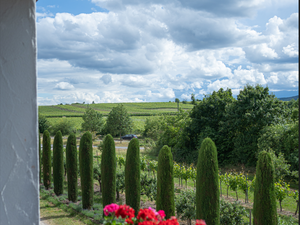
x=165, y=182
x=64, y=125
x=40, y=158
x=264, y=206
x=58, y=164
x=46, y=159
x=232, y=213
x=185, y=205
x=44, y=124
x=71, y=158
x=207, y=184
x=108, y=171
x=132, y=175
x=86, y=170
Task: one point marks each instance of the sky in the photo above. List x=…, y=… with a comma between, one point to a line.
x=110, y=51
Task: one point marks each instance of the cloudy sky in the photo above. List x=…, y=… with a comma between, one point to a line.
x=159, y=50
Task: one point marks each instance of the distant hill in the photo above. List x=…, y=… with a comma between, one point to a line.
x=289, y=98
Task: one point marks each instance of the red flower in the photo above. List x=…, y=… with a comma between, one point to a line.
x=171, y=221
x=147, y=223
x=125, y=211
x=146, y=214
x=200, y=222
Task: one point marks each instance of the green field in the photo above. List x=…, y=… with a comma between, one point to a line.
x=139, y=109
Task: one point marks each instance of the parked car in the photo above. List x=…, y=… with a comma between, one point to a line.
x=129, y=136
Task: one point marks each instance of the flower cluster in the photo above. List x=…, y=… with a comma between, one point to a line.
x=148, y=216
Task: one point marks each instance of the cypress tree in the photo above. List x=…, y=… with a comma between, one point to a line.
x=40, y=157
x=46, y=159
x=264, y=206
x=165, y=182
x=207, y=184
x=58, y=164
x=108, y=171
x=132, y=175
x=71, y=161
x=86, y=169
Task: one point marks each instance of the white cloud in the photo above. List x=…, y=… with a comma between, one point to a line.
x=290, y=51
x=64, y=86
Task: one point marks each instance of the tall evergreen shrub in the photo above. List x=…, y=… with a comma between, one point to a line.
x=46, y=159
x=86, y=169
x=40, y=157
x=132, y=175
x=71, y=161
x=165, y=182
x=264, y=206
x=108, y=171
x=58, y=164
x=207, y=184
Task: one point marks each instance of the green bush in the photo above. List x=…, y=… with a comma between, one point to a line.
x=165, y=182
x=40, y=157
x=46, y=159
x=108, y=171
x=72, y=169
x=58, y=164
x=64, y=125
x=132, y=175
x=44, y=124
x=264, y=206
x=185, y=205
x=207, y=184
x=86, y=170
x=232, y=213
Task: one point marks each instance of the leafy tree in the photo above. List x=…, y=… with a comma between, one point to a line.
x=108, y=171
x=44, y=124
x=245, y=118
x=193, y=99
x=132, y=175
x=64, y=125
x=264, y=206
x=118, y=121
x=92, y=120
x=46, y=159
x=153, y=127
x=71, y=161
x=165, y=182
x=207, y=184
x=177, y=101
x=58, y=164
x=86, y=170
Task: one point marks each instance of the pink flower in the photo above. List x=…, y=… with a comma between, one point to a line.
x=161, y=213
x=110, y=209
x=200, y=222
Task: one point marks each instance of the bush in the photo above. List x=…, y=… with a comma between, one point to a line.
x=232, y=213
x=132, y=175
x=46, y=159
x=64, y=125
x=108, y=171
x=40, y=157
x=58, y=164
x=86, y=170
x=165, y=182
x=207, y=187
x=264, y=206
x=44, y=124
x=185, y=205
x=72, y=169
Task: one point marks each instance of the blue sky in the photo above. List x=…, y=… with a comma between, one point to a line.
x=142, y=51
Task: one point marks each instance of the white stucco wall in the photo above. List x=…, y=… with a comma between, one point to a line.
x=19, y=188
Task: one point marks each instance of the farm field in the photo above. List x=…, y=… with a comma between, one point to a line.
x=141, y=109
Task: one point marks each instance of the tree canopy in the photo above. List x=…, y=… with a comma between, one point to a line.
x=93, y=120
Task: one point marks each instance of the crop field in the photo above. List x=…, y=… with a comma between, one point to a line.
x=139, y=109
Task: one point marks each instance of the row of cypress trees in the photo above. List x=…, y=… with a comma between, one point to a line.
x=207, y=183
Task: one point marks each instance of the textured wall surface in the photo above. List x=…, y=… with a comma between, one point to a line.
x=19, y=188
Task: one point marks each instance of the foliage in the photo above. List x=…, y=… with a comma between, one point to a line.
x=46, y=159
x=149, y=186
x=232, y=213
x=282, y=190
x=207, y=184
x=193, y=99
x=86, y=170
x=40, y=158
x=63, y=125
x=118, y=121
x=44, y=124
x=254, y=109
x=153, y=127
x=92, y=120
x=264, y=206
x=72, y=168
x=165, y=182
x=185, y=205
x=108, y=171
x=58, y=164
x=132, y=175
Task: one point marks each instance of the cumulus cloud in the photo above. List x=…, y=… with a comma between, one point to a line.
x=64, y=86
x=290, y=51
x=106, y=79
